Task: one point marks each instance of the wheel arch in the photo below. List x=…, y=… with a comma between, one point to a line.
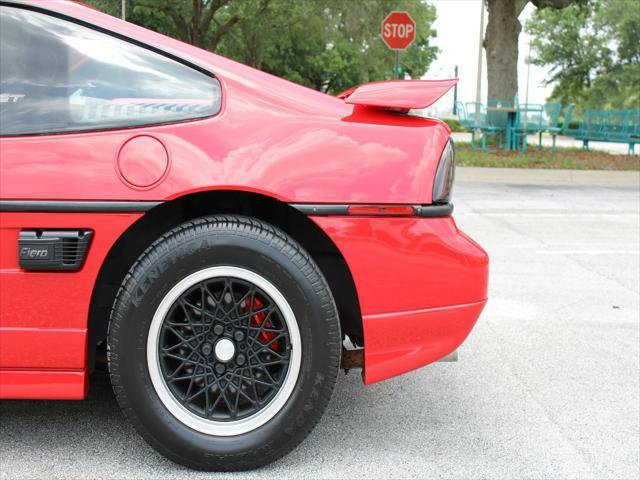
x=168, y=215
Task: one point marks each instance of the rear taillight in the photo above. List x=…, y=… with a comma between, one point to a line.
x=443, y=182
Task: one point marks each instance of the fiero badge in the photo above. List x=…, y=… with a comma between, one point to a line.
x=35, y=253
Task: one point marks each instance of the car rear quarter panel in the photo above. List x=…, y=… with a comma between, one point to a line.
x=271, y=136
x=289, y=156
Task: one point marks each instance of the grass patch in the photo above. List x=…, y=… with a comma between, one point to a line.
x=563, y=158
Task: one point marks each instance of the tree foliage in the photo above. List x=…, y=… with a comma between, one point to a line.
x=593, y=50
x=329, y=45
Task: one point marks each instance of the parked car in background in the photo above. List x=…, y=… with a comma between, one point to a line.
x=215, y=233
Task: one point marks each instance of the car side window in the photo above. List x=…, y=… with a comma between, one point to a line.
x=57, y=76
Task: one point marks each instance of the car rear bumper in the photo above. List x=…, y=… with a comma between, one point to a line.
x=397, y=343
x=421, y=284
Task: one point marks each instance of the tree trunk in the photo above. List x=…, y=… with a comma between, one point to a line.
x=501, y=46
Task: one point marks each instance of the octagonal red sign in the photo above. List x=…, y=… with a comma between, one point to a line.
x=398, y=30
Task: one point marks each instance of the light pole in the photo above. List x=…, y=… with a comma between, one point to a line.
x=123, y=10
x=479, y=77
x=455, y=91
x=528, y=62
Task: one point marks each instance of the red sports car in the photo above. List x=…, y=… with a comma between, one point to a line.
x=224, y=240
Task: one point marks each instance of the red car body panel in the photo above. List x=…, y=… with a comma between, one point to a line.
x=44, y=384
x=421, y=295
x=327, y=160
x=428, y=257
x=421, y=283
x=44, y=314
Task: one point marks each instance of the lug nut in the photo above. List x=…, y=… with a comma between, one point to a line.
x=207, y=349
x=239, y=336
x=220, y=368
x=240, y=359
x=218, y=329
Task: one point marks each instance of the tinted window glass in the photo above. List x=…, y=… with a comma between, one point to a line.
x=57, y=76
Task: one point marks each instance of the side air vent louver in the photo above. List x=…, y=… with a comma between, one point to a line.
x=53, y=249
x=70, y=251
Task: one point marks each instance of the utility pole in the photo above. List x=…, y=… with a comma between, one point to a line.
x=455, y=91
x=528, y=60
x=123, y=9
x=480, y=40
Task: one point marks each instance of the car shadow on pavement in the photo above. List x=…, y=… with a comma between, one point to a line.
x=49, y=439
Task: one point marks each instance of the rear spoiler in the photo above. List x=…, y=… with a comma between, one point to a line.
x=398, y=95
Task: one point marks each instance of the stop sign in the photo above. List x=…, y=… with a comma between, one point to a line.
x=398, y=30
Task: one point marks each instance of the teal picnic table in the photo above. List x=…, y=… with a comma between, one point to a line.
x=511, y=112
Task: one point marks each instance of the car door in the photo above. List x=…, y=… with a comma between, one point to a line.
x=82, y=113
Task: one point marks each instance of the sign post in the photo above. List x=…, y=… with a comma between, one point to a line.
x=396, y=68
x=398, y=31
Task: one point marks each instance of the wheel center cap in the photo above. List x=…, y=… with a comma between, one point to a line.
x=225, y=350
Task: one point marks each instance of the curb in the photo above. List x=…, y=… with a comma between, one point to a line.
x=600, y=178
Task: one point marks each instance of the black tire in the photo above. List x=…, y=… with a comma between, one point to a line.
x=191, y=247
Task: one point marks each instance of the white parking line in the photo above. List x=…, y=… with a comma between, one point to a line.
x=552, y=215
x=588, y=252
x=585, y=245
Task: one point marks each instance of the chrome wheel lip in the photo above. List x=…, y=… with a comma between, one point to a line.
x=181, y=413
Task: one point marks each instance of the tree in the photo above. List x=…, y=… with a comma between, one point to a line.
x=199, y=22
x=501, y=42
x=329, y=45
x=112, y=7
x=593, y=50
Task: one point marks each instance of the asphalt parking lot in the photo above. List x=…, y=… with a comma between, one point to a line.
x=547, y=385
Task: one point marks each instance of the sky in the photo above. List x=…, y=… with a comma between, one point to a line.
x=458, y=26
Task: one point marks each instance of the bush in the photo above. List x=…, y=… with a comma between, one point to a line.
x=454, y=125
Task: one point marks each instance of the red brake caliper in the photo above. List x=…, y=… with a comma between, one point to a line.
x=256, y=321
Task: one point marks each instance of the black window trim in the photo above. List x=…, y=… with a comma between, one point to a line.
x=106, y=31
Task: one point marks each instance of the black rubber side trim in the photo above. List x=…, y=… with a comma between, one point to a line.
x=321, y=210
x=75, y=206
x=443, y=210
x=338, y=210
